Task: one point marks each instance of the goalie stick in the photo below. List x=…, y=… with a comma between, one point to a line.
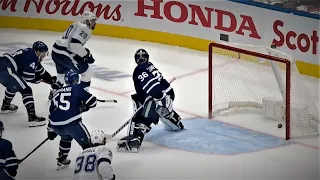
x=127, y=122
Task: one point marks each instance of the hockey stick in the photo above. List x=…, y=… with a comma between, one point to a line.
x=20, y=161
x=124, y=125
x=107, y=100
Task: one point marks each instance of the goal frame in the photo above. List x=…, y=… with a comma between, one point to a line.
x=256, y=54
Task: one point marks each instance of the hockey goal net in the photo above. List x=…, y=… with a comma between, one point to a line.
x=246, y=78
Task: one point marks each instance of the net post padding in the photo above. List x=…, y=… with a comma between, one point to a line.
x=276, y=60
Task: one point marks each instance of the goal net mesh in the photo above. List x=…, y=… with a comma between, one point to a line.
x=241, y=80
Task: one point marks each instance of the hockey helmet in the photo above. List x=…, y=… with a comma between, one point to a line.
x=1, y=128
x=89, y=18
x=98, y=137
x=41, y=49
x=141, y=56
x=40, y=46
x=71, y=78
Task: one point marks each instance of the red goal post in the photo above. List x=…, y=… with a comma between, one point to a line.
x=275, y=69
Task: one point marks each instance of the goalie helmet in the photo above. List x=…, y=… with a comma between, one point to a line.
x=98, y=137
x=141, y=56
x=1, y=128
x=89, y=19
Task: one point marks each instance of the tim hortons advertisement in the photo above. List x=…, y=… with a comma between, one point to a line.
x=202, y=19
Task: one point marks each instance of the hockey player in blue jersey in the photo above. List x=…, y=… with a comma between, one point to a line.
x=19, y=68
x=69, y=53
x=8, y=159
x=156, y=96
x=65, y=116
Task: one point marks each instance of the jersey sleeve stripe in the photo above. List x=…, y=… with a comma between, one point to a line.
x=155, y=84
x=89, y=99
x=147, y=84
x=2, y=161
x=104, y=160
x=27, y=73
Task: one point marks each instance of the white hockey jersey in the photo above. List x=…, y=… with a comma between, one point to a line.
x=94, y=163
x=73, y=39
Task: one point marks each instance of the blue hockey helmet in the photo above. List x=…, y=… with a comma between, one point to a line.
x=141, y=56
x=71, y=78
x=1, y=128
x=40, y=46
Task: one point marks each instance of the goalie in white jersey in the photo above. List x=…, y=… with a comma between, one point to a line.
x=69, y=53
x=95, y=163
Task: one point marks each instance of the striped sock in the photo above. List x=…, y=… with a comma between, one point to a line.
x=28, y=102
x=8, y=96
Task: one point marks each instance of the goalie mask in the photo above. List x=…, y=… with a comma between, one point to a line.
x=141, y=56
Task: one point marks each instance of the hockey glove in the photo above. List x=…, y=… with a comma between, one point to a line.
x=56, y=85
x=51, y=134
x=88, y=58
x=84, y=108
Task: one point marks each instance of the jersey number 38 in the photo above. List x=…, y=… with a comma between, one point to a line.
x=86, y=164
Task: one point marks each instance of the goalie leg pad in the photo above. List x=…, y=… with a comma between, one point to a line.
x=172, y=123
x=129, y=144
x=165, y=107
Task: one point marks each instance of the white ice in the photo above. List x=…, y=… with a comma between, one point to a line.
x=293, y=162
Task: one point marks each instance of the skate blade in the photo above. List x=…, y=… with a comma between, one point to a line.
x=36, y=124
x=62, y=167
x=8, y=112
x=132, y=150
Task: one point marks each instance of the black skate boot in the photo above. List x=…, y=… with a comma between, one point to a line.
x=8, y=108
x=62, y=163
x=35, y=121
x=129, y=144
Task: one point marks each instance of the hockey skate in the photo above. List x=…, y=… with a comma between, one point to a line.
x=7, y=109
x=129, y=144
x=35, y=121
x=62, y=163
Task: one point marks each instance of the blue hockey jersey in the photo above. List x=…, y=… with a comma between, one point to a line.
x=148, y=81
x=66, y=103
x=8, y=159
x=26, y=63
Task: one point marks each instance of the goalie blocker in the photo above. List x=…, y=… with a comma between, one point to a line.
x=151, y=112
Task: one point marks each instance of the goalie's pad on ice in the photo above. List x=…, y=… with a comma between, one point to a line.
x=174, y=123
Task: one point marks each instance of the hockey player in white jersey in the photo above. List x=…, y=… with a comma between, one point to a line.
x=95, y=163
x=69, y=53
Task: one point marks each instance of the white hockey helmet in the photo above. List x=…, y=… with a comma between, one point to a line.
x=89, y=18
x=98, y=137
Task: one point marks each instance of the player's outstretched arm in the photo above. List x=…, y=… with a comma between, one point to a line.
x=9, y=158
x=89, y=101
x=43, y=75
x=104, y=164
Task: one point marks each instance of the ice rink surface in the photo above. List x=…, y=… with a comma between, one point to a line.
x=251, y=159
